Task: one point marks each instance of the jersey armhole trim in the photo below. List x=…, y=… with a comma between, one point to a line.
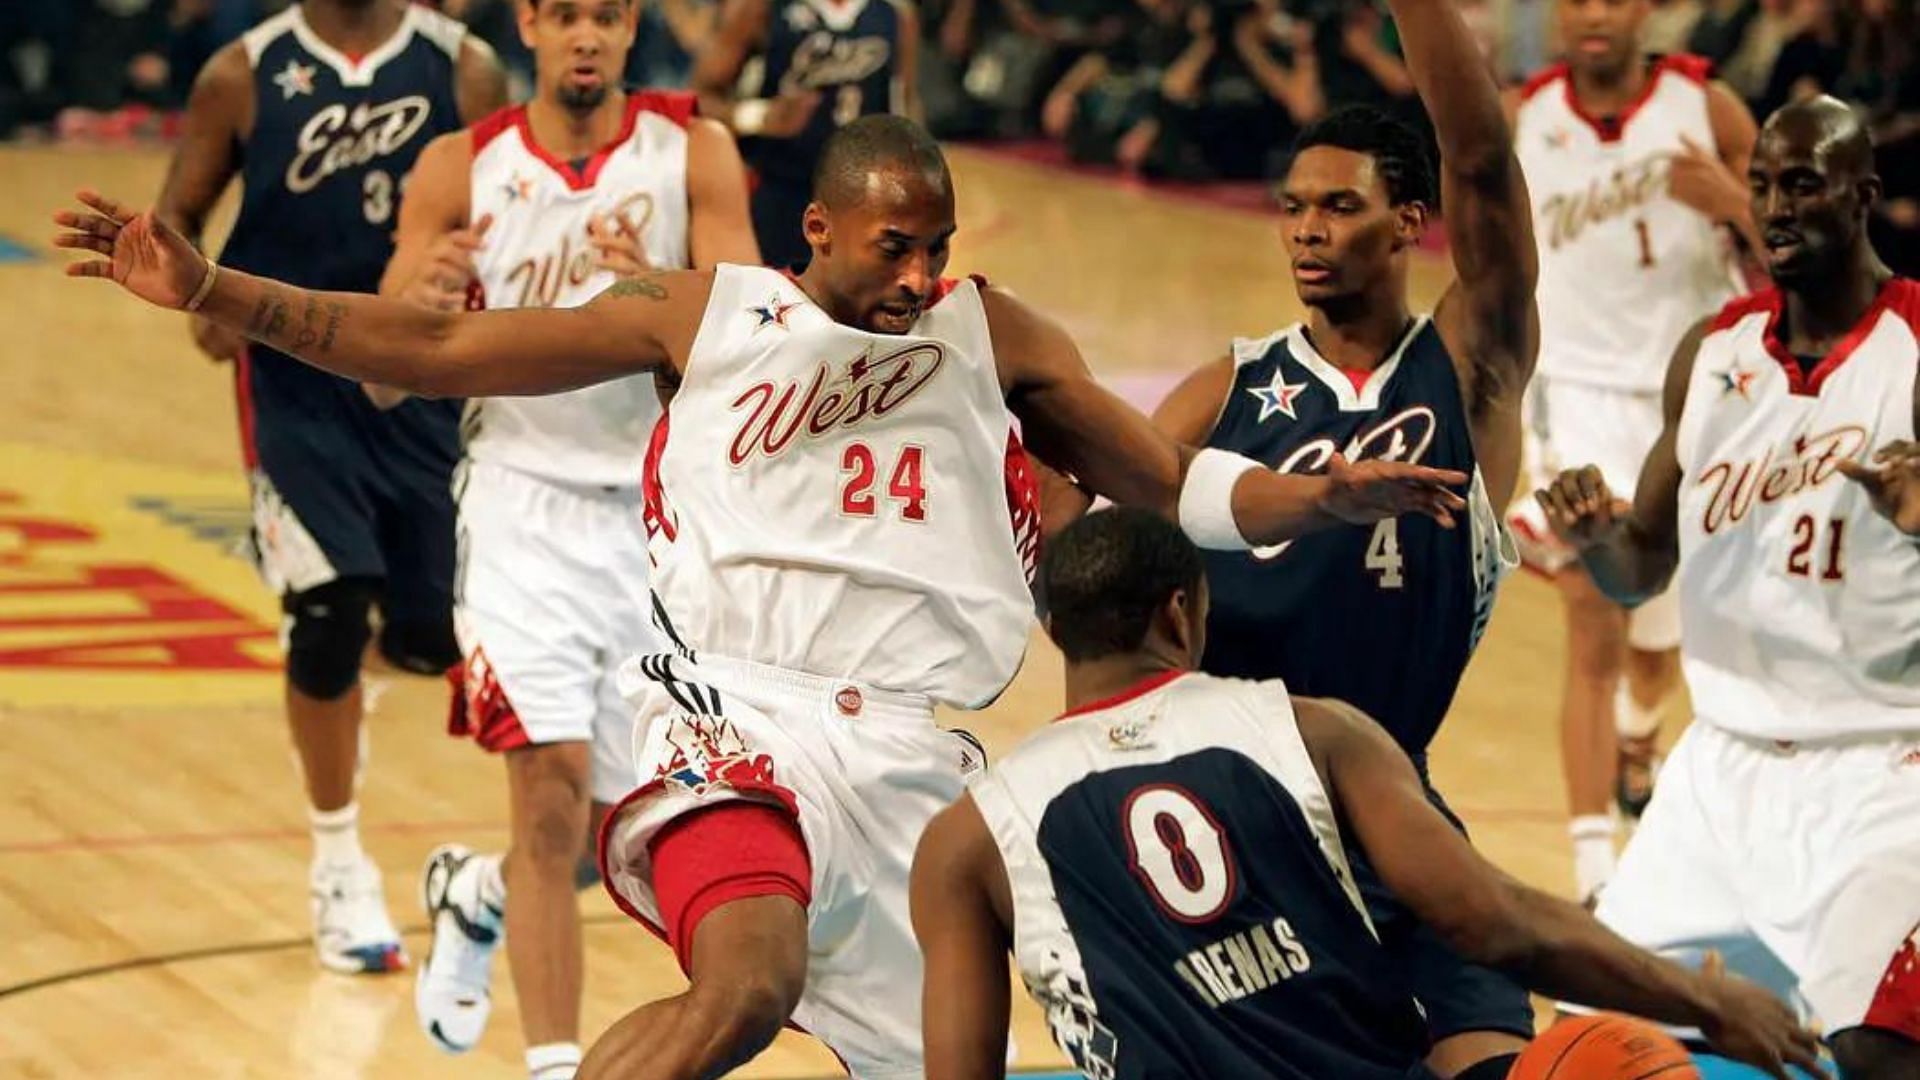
x=494, y=125
x=1542, y=79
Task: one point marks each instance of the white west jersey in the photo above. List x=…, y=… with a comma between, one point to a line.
x=1625, y=268
x=840, y=503
x=1800, y=606
x=537, y=254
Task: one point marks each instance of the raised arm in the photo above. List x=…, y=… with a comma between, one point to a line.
x=480, y=83
x=1550, y=945
x=639, y=324
x=962, y=917
x=1487, y=317
x=218, y=119
x=720, y=228
x=1079, y=426
x=1633, y=555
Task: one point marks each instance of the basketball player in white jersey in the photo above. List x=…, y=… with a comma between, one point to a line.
x=1786, y=488
x=1634, y=166
x=841, y=525
x=543, y=205
x=1168, y=862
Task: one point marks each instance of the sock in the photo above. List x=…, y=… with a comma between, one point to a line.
x=1631, y=719
x=336, y=835
x=553, y=1061
x=493, y=887
x=1593, y=857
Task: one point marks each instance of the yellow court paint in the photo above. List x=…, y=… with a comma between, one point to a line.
x=121, y=583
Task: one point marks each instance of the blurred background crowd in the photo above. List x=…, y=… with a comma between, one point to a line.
x=1186, y=90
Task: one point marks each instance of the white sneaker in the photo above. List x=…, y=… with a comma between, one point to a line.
x=452, y=997
x=351, y=930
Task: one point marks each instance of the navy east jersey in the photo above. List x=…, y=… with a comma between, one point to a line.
x=1383, y=616
x=322, y=171
x=846, y=51
x=1183, y=905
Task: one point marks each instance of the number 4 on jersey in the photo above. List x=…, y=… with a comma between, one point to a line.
x=1383, y=554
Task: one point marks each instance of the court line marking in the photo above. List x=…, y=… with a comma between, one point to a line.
x=236, y=836
x=215, y=952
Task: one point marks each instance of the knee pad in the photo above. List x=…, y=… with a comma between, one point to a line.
x=326, y=633
x=421, y=646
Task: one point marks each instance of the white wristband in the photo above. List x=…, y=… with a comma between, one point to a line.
x=206, y=286
x=750, y=116
x=1206, y=500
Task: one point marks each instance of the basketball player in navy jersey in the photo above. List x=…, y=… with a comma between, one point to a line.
x=321, y=111
x=821, y=64
x=1173, y=853
x=1387, y=616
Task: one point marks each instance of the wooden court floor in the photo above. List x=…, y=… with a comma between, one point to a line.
x=152, y=838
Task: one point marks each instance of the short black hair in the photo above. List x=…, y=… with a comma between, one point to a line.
x=871, y=144
x=1105, y=575
x=1397, y=148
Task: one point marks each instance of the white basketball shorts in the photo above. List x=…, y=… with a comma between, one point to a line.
x=550, y=597
x=863, y=771
x=1799, y=862
x=1572, y=424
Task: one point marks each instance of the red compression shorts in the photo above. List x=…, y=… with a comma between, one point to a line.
x=720, y=854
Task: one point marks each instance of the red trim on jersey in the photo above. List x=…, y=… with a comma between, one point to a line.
x=655, y=514
x=1024, y=511
x=1899, y=296
x=480, y=708
x=1542, y=79
x=945, y=286
x=720, y=854
x=243, y=398
x=676, y=106
x=1896, y=1001
x=1359, y=377
x=1611, y=128
x=494, y=125
x=1145, y=686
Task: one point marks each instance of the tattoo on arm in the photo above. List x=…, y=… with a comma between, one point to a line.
x=309, y=333
x=269, y=316
x=336, y=313
x=647, y=285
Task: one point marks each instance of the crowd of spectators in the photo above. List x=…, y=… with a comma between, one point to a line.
x=1176, y=89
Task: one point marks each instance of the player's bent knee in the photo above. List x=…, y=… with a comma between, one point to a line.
x=1865, y=1053
x=326, y=634
x=550, y=793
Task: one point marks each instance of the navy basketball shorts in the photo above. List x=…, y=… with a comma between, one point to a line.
x=1458, y=996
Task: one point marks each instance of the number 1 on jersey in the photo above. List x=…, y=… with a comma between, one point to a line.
x=905, y=485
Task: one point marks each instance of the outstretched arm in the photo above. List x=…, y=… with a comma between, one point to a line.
x=962, y=918
x=1487, y=317
x=1074, y=424
x=637, y=325
x=1547, y=943
x=1631, y=557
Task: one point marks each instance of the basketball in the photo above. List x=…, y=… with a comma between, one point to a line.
x=1604, y=1047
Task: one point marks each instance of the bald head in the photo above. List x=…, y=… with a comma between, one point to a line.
x=1826, y=129
x=876, y=151
x=1813, y=183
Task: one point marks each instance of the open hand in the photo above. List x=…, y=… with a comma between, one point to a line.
x=143, y=255
x=1749, y=1024
x=1581, y=510
x=1892, y=482
x=447, y=268
x=1368, y=491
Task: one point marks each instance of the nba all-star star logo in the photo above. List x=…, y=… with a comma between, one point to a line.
x=518, y=188
x=772, y=313
x=1734, y=380
x=295, y=81
x=1277, y=396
